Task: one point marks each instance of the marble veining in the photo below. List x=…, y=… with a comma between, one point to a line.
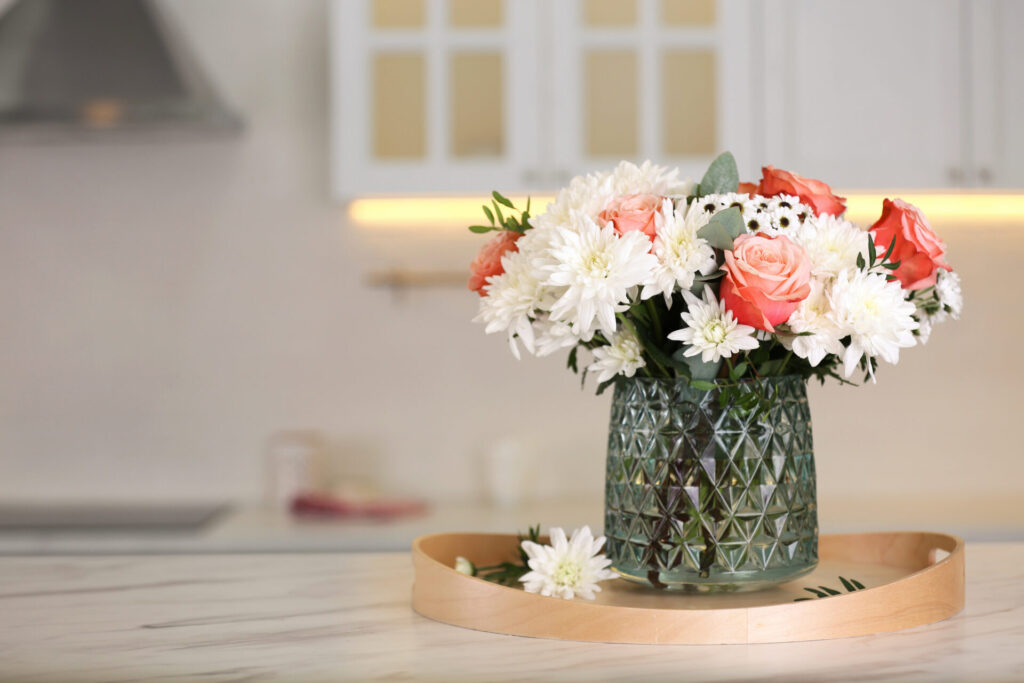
x=347, y=616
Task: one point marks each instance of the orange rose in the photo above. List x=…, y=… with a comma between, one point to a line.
x=765, y=279
x=918, y=249
x=488, y=260
x=749, y=188
x=632, y=212
x=814, y=193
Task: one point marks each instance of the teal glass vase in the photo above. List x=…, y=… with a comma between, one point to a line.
x=703, y=494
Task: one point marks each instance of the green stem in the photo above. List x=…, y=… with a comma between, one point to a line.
x=655, y=318
x=785, y=361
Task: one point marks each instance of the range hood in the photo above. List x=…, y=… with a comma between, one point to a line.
x=100, y=69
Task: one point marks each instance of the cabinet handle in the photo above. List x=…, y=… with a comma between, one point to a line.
x=955, y=174
x=985, y=175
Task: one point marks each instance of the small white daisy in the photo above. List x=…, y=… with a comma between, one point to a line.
x=567, y=568
x=551, y=336
x=624, y=356
x=681, y=253
x=597, y=268
x=876, y=316
x=712, y=331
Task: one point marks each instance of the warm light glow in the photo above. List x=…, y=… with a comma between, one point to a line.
x=446, y=213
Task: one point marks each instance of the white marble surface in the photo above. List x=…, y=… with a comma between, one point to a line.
x=347, y=616
x=252, y=529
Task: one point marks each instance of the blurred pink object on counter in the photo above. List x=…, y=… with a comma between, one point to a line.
x=325, y=505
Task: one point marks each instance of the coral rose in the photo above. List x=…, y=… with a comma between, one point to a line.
x=632, y=212
x=488, y=261
x=765, y=279
x=814, y=193
x=918, y=249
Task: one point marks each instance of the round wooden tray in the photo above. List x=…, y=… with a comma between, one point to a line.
x=910, y=579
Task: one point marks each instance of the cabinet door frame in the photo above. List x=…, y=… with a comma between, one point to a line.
x=353, y=42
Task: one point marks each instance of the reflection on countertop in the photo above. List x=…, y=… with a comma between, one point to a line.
x=253, y=529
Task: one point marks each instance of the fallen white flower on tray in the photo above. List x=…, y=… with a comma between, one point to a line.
x=567, y=568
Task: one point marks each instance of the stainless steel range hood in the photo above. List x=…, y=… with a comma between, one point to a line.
x=100, y=69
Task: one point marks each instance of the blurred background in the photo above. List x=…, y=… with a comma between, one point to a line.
x=233, y=254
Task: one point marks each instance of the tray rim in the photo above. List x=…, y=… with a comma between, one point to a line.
x=931, y=593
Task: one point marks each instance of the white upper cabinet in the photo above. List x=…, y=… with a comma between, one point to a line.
x=432, y=95
x=865, y=93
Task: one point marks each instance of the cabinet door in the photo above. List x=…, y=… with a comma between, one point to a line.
x=997, y=93
x=432, y=96
x=665, y=80
x=865, y=94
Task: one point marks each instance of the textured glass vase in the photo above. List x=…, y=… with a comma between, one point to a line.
x=701, y=497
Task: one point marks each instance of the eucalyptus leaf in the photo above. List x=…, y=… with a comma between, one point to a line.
x=724, y=227
x=721, y=177
x=480, y=229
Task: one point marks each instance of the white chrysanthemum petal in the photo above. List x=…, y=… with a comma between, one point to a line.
x=815, y=330
x=680, y=252
x=949, y=294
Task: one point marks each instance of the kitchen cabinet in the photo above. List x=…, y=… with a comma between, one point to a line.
x=462, y=96
x=894, y=93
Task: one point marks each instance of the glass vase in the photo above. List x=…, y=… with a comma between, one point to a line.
x=703, y=494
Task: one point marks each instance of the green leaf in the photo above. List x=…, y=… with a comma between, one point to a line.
x=703, y=385
x=871, y=249
x=721, y=177
x=738, y=370
x=847, y=585
x=502, y=200
x=497, y=210
x=858, y=584
x=816, y=592
x=489, y=213
x=724, y=227
x=480, y=229
x=571, y=364
x=604, y=385
x=860, y=262
x=888, y=252
x=830, y=591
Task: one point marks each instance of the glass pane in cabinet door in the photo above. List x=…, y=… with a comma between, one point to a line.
x=475, y=13
x=610, y=112
x=688, y=12
x=399, y=106
x=609, y=12
x=688, y=102
x=477, y=126
x=397, y=13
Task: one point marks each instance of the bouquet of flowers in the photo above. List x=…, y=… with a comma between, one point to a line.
x=717, y=280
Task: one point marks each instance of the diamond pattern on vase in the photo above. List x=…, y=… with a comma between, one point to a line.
x=701, y=495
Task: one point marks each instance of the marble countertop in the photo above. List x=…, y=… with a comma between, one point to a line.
x=348, y=616
x=253, y=529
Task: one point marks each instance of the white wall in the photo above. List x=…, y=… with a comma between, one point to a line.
x=164, y=308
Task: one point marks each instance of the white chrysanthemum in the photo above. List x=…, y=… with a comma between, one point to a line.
x=950, y=296
x=647, y=178
x=817, y=333
x=832, y=243
x=924, y=327
x=711, y=330
x=511, y=300
x=551, y=336
x=597, y=268
x=876, y=316
x=567, y=567
x=681, y=253
x=623, y=357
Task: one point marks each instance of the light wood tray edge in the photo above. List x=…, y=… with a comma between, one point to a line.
x=935, y=591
